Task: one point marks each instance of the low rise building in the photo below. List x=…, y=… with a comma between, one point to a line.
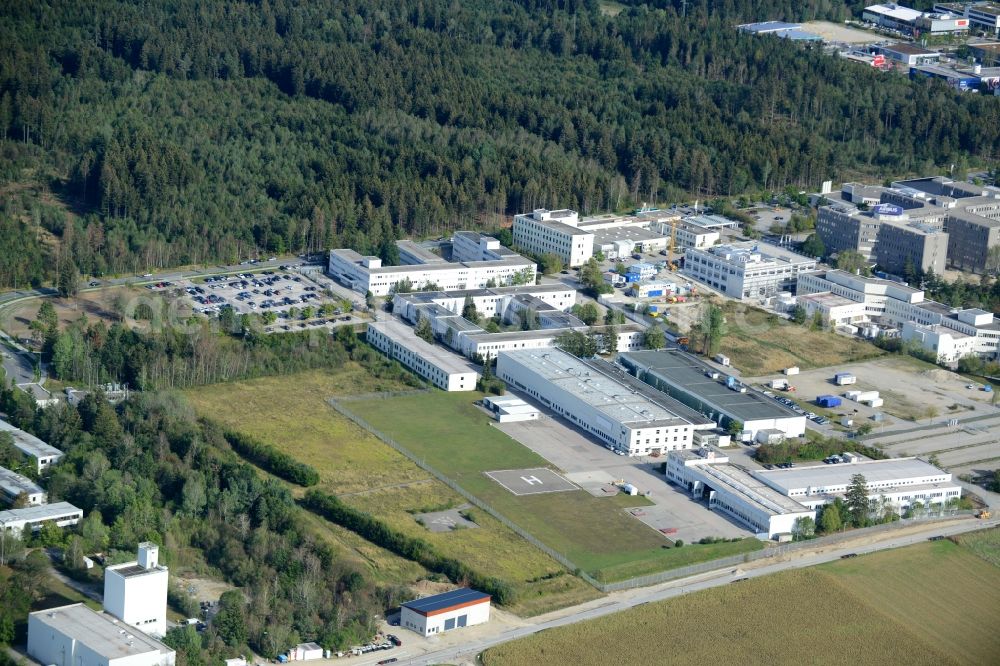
x=908, y=55
x=747, y=271
x=509, y=408
x=444, y=612
x=42, y=454
x=900, y=481
x=703, y=389
x=914, y=22
x=33, y=518
x=707, y=474
x=75, y=635
x=14, y=487
x=136, y=592
x=435, y=364
x=601, y=399
x=982, y=15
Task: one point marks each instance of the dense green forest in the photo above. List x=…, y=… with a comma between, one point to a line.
x=186, y=132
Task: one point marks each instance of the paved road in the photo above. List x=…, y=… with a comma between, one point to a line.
x=620, y=601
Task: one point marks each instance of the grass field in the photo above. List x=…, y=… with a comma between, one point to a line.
x=932, y=603
x=454, y=436
x=759, y=343
x=292, y=414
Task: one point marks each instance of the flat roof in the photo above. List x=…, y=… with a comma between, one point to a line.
x=598, y=389
x=828, y=299
x=439, y=602
x=768, y=26
x=28, y=443
x=39, y=512
x=874, y=471
x=768, y=254
x=353, y=257
x=710, y=221
x=436, y=354
x=908, y=49
x=99, y=631
x=633, y=234
x=895, y=11
x=133, y=569
x=418, y=252
x=13, y=484
x=687, y=373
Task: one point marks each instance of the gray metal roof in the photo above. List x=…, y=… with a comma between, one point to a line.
x=13, y=484
x=688, y=374
x=28, y=444
x=40, y=512
x=874, y=471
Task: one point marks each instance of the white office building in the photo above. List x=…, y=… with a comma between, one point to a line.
x=603, y=400
x=706, y=474
x=491, y=265
x=444, y=612
x=436, y=364
x=136, y=592
x=31, y=447
x=951, y=333
x=900, y=481
x=75, y=635
x=749, y=271
x=32, y=518
x=554, y=232
x=14, y=485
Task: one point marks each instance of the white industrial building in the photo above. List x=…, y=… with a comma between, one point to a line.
x=554, y=232
x=603, y=400
x=704, y=389
x=510, y=408
x=31, y=447
x=443, y=612
x=136, y=592
x=901, y=481
x=491, y=265
x=75, y=635
x=707, y=474
x=747, y=271
x=32, y=518
x=436, y=364
x=14, y=485
x=951, y=333
x=914, y=22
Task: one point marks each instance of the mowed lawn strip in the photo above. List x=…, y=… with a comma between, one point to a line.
x=292, y=414
x=454, y=436
x=934, y=588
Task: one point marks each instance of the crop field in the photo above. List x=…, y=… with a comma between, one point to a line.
x=455, y=437
x=932, y=603
x=758, y=343
x=292, y=414
x=985, y=544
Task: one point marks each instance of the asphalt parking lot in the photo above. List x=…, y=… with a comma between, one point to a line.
x=290, y=300
x=588, y=464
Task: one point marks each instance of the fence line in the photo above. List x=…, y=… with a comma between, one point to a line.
x=650, y=579
x=472, y=499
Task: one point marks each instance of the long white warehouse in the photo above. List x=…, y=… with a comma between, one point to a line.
x=32, y=518
x=707, y=474
x=901, y=481
x=437, y=365
x=619, y=411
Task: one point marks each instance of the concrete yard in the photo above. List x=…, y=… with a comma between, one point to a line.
x=446, y=521
x=587, y=463
x=913, y=392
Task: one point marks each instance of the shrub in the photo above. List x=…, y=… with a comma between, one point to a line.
x=271, y=459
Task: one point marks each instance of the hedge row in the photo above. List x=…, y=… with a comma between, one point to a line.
x=271, y=459
x=412, y=548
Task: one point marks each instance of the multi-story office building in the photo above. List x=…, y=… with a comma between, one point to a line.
x=982, y=15
x=914, y=245
x=436, y=364
x=491, y=266
x=950, y=333
x=747, y=271
x=554, y=232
